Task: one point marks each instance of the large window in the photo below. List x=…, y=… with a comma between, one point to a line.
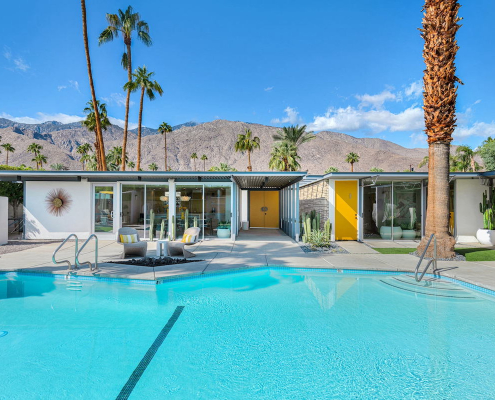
x=392, y=210
x=137, y=203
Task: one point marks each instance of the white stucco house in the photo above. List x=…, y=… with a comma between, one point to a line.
x=359, y=205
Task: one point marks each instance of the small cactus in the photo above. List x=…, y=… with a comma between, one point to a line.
x=186, y=221
x=162, y=229
x=152, y=225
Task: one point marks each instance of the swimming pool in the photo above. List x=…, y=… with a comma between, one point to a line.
x=272, y=333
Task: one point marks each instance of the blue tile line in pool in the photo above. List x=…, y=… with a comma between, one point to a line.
x=145, y=361
x=246, y=269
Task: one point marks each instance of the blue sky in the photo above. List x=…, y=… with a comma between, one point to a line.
x=352, y=67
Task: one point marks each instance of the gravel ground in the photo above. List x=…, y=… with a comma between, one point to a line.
x=457, y=257
x=19, y=245
x=332, y=249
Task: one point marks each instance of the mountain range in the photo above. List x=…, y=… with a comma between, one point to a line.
x=215, y=139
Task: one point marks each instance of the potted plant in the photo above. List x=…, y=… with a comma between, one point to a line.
x=487, y=208
x=388, y=232
x=223, y=230
x=408, y=231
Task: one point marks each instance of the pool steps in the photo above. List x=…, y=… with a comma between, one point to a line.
x=430, y=286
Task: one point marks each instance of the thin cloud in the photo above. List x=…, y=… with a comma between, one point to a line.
x=268, y=89
x=59, y=117
x=376, y=100
x=15, y=61
x=72, y=84
x=117, y=99
x=291, y=118
x=414, y=90
x=121, y=123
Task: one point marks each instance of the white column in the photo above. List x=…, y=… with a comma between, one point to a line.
x=298, y=227
x=4, y=220
x=171, y=206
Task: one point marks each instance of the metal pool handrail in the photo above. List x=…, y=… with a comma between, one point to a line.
x=96, y=254
x=75, y=252
x=433, y=260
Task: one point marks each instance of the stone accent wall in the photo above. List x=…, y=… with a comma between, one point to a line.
x=315, y=197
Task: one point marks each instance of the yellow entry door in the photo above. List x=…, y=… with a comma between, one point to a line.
x=263, y=209
x=346, y=210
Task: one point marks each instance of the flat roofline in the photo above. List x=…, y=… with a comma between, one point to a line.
x=394, y=175
x=267, y=180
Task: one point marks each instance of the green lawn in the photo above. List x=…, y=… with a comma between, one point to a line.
x=471, y=254
x=393, y=250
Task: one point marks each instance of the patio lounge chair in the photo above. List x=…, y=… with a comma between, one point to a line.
x=132, y=249
x=176, y=247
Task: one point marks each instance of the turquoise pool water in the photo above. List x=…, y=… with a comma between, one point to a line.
x=261, y=334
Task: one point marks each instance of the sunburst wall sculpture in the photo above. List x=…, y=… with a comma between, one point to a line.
x=58, y=202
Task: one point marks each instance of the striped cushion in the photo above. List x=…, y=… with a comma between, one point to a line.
x=128, y=238
x=188, y=238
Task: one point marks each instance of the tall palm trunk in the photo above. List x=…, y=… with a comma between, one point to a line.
x=99, y=145
x=440, y=25
x=352, y=167
x=204, y=165
x=7, y=158
x=138, y=164
x=127, y=41
x=165, y=149
x=250, y=167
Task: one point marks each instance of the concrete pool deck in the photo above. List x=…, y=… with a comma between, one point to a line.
x=247, y=251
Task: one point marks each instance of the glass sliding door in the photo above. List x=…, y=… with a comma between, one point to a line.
x=103, y=208
x=218, y=210
x=392, y=210
x=133, y=208
x=157, y=200
x=407, y=210
x=189, y=208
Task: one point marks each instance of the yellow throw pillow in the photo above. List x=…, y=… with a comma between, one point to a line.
x=128, y=238
x=188, y=238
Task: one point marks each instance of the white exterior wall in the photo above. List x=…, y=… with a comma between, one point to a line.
x=4, y=220
x=40, y=224
x=468, y=219
x=331, y=206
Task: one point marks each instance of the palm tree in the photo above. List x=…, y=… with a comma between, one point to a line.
x=91, y=163
x=424, y=161
x=331, y=169
x=58, y=167
x=194, y=157
x=165, y=128
x=99, y=145
x=131, y=164
x=296, y=135
x=8, y=149
x=204, y=158
x=153, y=167
x=84, y=149
x=465, y=156
x=142, y=79
x=39, y=159
x=126, y=23
x=352, y=158
x=440, y=25
x=34, y=148
x=114, y=158
x=91, y=125
x=222, y=168
x=284, y=157
x=245, y=143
